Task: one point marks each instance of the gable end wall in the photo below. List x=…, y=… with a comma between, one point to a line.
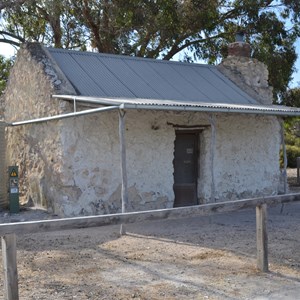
x=35, y=148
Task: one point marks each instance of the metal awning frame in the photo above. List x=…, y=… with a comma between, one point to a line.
x=173, y=105
x=64, y=116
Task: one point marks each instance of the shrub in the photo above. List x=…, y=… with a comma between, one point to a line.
x=292, y=152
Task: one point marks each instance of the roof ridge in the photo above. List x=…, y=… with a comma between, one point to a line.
x=124, y=56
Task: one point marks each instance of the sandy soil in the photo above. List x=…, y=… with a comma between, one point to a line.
x=196, y=258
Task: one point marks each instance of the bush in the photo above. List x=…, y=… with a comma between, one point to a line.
x=292, y=152
x=292, y=141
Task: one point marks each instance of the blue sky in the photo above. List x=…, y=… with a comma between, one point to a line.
x=7, y=50
x=296, y=80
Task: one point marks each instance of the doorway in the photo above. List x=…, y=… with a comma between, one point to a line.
x=186, y=168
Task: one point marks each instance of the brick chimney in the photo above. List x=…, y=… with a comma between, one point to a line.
x=239, y=47
x=248, y=73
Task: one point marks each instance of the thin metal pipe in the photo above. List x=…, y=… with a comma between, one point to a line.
x=74, y=104
x=64, y=116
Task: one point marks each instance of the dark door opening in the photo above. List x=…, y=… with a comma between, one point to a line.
x=185, y=168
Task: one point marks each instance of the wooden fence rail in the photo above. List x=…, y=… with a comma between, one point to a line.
x=8, y=231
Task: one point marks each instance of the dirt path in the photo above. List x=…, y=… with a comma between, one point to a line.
x=196, y=258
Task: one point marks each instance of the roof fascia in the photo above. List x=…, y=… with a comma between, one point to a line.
x=240, y=109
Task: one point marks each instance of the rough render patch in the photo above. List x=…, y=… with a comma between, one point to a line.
x=247, y=156
x=246, y=162
x=92, y=161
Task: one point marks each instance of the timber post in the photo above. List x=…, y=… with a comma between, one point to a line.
x=124, y=192
x=298, y=170
x=262, y=238
x=212, y=156
x=285, y=162
x=9, y=256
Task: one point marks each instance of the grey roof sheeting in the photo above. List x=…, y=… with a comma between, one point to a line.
x=117, y=76
x=155, y=104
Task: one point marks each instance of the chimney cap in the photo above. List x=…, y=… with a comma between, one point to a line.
x=240, y=36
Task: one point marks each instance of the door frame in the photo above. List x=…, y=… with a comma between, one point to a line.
x=197, y=133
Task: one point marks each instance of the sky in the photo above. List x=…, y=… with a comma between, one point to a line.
x=7, y=50
x=296, y=80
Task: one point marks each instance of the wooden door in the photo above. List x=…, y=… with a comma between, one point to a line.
x=185, y=169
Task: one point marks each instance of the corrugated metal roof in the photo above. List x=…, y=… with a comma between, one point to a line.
x=105, y=75
x=156, y=104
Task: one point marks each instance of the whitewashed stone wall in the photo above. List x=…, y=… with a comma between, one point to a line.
x=3, y=169
x=247, y=157
x=246, y=160
x=92, y=163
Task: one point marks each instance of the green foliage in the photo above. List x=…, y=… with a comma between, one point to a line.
x=292, y=141
x=5, y=65
x=51, y=22
x=292, y=152
x=292, y=127
x=291, y=97
x=197, y=29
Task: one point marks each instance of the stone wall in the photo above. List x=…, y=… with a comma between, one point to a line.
x=246, y=160
x=250, y=75
x=92, y=175
x=36, y=149
x=247, y=156
x=3, y=169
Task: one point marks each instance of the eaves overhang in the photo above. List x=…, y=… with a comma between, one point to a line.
x=173, y=105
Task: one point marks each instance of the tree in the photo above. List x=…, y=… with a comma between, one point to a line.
x=5, y=65
x=197, y=29
x=291, y=97
x=50, y=22
x=292, y=127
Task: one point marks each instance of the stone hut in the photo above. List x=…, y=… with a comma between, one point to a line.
x=89, y=129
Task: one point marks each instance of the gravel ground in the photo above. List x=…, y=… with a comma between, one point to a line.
x=195, y=258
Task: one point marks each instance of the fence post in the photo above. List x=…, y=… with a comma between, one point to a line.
x=298, y=169
x=262, y=238
x=9, y=256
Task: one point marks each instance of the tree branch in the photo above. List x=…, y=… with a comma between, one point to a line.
x=7, y=41
x=175, y=49
x=10, y=3
x=14, y=36
x=92, y=26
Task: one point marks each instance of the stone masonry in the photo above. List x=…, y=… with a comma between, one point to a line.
x=36, y=149
x=248, y=73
